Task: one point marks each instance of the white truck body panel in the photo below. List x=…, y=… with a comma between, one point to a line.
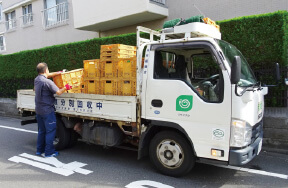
x=26, y=100
x=117, y=108
x=249, y=107
x=200, y=122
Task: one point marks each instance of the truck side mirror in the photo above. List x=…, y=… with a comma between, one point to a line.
x=236, y=70
x=277, y=72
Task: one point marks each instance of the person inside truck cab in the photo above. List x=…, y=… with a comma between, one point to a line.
x=210, y=87
x=45, y=112
x=179, y=68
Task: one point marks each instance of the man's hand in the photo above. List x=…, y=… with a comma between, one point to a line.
x=68, y=87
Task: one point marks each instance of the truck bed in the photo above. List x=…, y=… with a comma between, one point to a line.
x=86, y=106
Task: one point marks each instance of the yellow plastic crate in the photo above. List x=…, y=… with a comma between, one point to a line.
x=127, y=68
x=126, y=87
x=91, y=69
x=118, y=51
x=131, y=53
x=115, y=51
x=73, y=78
x=78, y=90
x=109, y=68
x=211, y=22
x=58, y=81
x=107, y=57
x=116, y=47
x=92, y=86
x=108, y=86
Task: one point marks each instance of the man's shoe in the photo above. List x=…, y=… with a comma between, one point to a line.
x=55, y=154
x=39, y=153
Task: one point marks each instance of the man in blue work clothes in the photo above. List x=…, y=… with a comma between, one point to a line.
x=45, y=111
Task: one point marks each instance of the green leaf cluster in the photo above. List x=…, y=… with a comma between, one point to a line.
x=263, y=40
x=18, y=70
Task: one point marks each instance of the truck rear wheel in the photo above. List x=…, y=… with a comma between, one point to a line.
x=73, y=138
x=62, y=137
x=171, y=154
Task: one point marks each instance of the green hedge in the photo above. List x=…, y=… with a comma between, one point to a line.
x=18, y=70
x=263, y=39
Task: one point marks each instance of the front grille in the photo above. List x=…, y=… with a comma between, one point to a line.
x=257, y=131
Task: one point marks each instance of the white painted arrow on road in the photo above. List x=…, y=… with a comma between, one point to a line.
x=51, y=164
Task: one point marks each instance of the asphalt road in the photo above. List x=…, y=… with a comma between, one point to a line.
x=113, y=168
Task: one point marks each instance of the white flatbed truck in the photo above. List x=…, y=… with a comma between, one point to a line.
x=197, y=101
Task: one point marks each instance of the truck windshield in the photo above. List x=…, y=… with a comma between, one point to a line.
x=247, y=77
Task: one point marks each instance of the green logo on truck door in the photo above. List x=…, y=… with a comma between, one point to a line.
x=184, y=103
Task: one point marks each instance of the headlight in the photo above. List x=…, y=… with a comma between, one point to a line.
x=241, y=133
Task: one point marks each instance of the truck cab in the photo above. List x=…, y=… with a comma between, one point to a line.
x=189, y=88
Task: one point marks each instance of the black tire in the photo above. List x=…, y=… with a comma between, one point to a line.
x=62, y=137
x=73, y=138
x=171, y=154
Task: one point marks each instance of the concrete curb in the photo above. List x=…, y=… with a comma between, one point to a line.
x=8, y=107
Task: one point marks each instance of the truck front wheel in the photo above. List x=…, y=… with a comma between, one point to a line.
x=171, y=154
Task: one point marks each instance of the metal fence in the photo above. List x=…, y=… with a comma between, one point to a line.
x=55, y=16
x=277, y=93
x=27, y=19
x=11, y=24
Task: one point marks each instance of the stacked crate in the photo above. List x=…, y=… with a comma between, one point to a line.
x=91, y=76
x=127, y=77
x=118, y=70
x=74, y=78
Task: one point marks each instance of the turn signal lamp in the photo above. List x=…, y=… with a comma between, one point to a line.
x=217, y=153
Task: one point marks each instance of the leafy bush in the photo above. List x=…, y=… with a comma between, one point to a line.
x=263, y=39
x=18, y=70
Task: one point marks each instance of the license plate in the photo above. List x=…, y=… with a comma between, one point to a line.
x=259, y=147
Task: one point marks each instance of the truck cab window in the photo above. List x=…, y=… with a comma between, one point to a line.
x=197, y=67
x=206, y=77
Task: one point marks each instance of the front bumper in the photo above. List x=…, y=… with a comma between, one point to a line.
x=245, y=155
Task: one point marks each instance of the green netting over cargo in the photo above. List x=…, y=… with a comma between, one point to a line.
x=198, y=18
x=179, y=21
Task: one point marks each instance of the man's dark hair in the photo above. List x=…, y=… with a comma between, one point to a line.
x=41, y=68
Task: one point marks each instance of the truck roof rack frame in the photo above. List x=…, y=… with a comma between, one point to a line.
x=140, y=46
x=190, y=30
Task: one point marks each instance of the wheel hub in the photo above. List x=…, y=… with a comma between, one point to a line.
x=170, y=154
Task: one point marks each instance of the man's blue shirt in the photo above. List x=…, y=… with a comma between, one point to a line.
x=44, y=95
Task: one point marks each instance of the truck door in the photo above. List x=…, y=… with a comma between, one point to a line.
x=188, y=85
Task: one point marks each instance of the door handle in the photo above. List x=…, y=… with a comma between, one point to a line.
x=157, y=103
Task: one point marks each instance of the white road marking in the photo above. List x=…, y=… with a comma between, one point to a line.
x=16, y=129
x=49, y=160
x=261, y=172
x=57, y=166
x=76, y=167
x=60, y=171
x=145, y=183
